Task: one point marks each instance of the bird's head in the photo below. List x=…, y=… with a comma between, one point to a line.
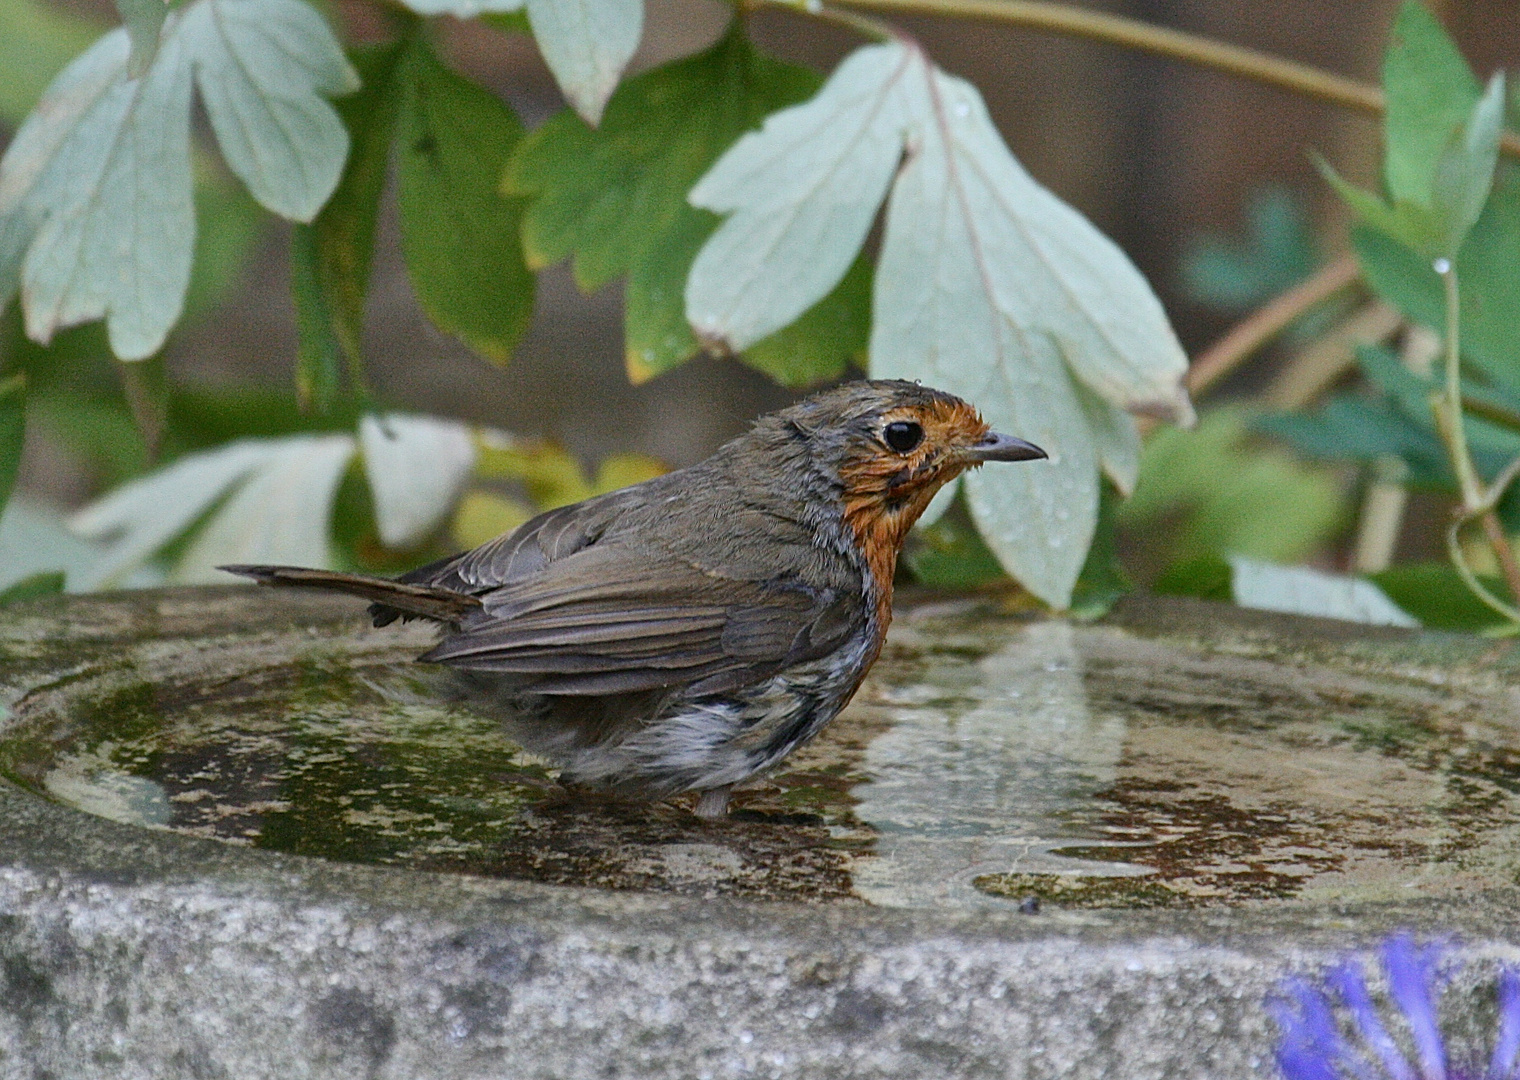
x=892, y=445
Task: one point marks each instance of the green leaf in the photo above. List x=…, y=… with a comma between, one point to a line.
x=1103, y=580
x=35, y=587
x=95, y=190
x=459, y=235
x=1431, y=92
x=1208, y=577
x=1465, y=172
x=319, y=362
x=12, y=432
x=950, y=555
x=1358, y=429
x=1434, y=593
x=1490, y=292
x=228, y=226
x=614, y=197
x=143, y=19
x=1278, y=252
x=1210, y=492
x=331, y=274
x=826, y=341
x=1416, y=227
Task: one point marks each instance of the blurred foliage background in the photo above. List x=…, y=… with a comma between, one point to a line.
x=1315, y=447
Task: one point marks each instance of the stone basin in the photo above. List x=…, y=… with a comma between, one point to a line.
x=241, y=835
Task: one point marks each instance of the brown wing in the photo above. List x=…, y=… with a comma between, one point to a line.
x=620, y=618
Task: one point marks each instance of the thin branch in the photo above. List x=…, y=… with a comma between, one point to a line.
x=1491, y=411
x=1264, y=324
x=1319, y=364
x=1133, y=34
x=1459, y=560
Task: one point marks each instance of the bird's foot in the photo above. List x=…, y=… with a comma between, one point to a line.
x=713, y=805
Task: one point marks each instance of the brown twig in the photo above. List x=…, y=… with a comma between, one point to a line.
x=1316, y=367
x=1176, y=44
x=1503, y=553
x=1271, y=319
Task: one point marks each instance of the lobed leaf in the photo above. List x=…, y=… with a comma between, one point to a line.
x=142, y=516
x=263, y=68
x=96, y=211
x=801, y=194
x=987, y=285
x=459, y=235
x=105, y=181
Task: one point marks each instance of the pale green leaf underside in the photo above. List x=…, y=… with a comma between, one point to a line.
x=1302, y=590
x=264, y=68
x=416, y=466
x=272, y=502
x=280, y=514
x=987, y=286
x=143, y=19
x=586, y=43
x=802, y=192
x=141, y=517
x=96, y=187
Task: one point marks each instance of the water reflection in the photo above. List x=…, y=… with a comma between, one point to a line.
x=985, y=760
x=982, y=781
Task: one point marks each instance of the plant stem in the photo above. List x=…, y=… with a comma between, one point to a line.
x=1133, y=34
x=1456, y=434
x=1269, y=320
x=1476, y=503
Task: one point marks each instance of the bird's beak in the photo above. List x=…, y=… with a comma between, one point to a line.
x=996, y=446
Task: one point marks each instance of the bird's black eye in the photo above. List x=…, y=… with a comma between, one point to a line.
x=903, y=435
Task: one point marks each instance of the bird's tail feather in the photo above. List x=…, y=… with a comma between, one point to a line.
x=390, y=599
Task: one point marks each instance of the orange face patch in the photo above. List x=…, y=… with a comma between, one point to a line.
x=887, y=490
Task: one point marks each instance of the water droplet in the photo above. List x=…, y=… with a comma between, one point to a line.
x=1442, y=266
x=962, y=109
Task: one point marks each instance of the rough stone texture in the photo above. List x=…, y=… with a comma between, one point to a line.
x=127, y=953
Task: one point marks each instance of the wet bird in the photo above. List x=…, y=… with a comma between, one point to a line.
x=689, y=632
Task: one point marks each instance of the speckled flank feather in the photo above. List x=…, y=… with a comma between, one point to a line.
x=689, y=632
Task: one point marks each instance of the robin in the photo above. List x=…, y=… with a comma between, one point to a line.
x=689, y=632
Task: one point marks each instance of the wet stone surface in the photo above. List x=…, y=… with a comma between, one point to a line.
x=987, y=760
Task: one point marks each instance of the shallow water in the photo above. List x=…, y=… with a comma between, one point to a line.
x=985, y=761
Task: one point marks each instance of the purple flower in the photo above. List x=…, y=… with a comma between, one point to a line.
x=1313, y=1046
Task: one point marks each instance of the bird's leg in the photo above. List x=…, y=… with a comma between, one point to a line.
x=713, y=804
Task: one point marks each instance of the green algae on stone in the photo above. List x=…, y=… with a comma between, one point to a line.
x=986, y=758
